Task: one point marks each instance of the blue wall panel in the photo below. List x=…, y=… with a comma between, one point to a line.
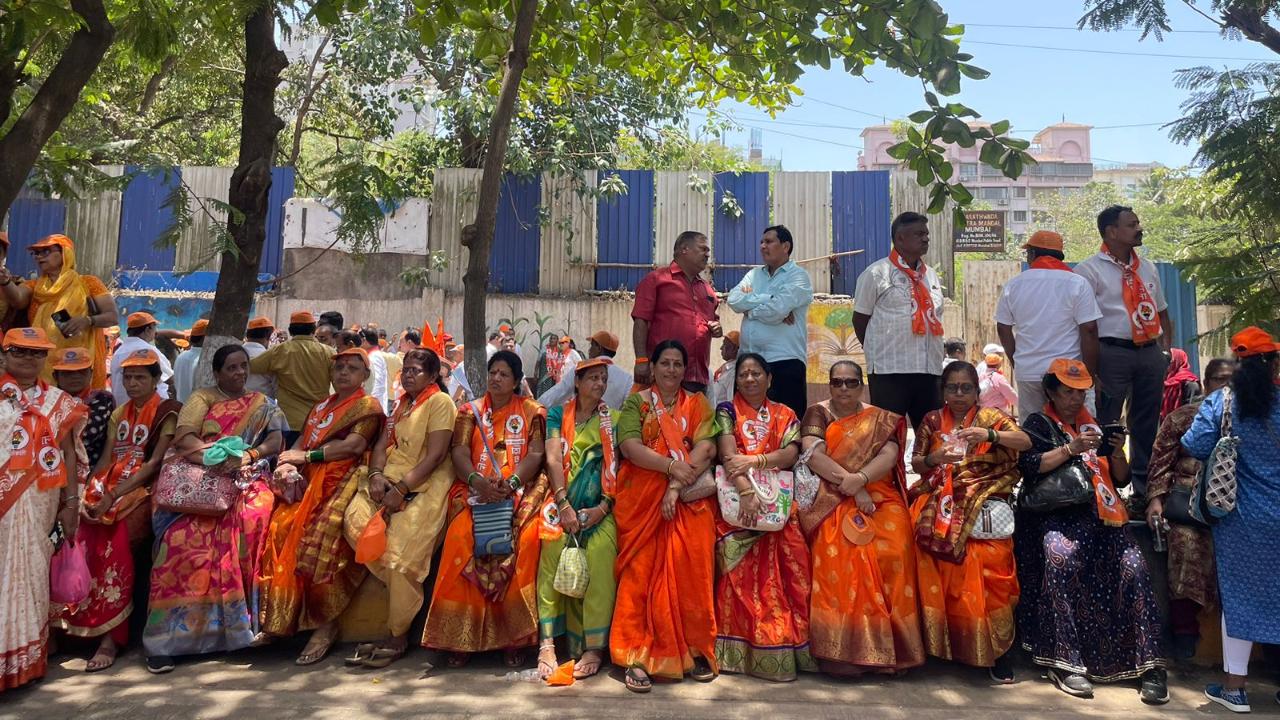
x=513, y=259
x=143, y=220
x=31, y=218
x=624, y=225
x=282, y=188
x=737, y=239
x=1181, y=296
x=859, y=221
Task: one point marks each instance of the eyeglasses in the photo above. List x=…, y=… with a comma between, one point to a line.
x=959, y=388
x=27, y=352
x=850, y=383
x=41, y=252
x=411, y=370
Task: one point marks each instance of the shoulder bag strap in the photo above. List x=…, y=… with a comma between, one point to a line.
x=484, y=436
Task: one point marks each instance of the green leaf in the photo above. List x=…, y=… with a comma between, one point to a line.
x=1000, y=127
x=913, y=135
x=990, y=153
x=899, y=151
x=924, y=173
x=920, y=116
x=973, y=72
x=961, y=194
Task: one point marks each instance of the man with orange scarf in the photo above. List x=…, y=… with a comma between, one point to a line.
x=897, y=316
x=72, y=309
x=1135, y=333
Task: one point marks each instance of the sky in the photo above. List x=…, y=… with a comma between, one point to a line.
x=1111, y=81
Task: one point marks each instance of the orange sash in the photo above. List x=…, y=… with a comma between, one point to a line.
x=609, y=468
x=668, y=428
x=322, y=416
x=1044, y=262
x=133, y=434
x=946, y=498
x=1110, y=510
x=515, y=422
x=1144, y=319
x=924, y=320
x=34, y=445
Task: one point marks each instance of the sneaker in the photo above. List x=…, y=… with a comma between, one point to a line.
x=1155, y=687
x=1002, y=672
x=1071, y=683
x=160, y=664
x=1233, y=700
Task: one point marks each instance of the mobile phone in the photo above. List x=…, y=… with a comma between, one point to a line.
x=1109, y=434
x=62, y=316
x=57, y=535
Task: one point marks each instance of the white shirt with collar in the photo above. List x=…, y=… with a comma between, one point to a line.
x=884, y=292
x=615, y=392
x=128, y=346
x=265, y=384
x=1107, y=279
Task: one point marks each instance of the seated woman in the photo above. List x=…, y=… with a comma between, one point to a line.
x=762, y=596
x=582, y=468
x=115, y=494
x=864, y=610
x=73, y=374
x=309, y=572
x=489, y=602
x=664, y=620
x=1082, y=574
x=204, y=580
x=408, y=479
x=966, y=455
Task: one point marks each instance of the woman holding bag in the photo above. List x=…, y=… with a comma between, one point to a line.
x=486, y=599
x=406, y=483
x=664, y=620
x=204, y=579
x=969, y=585
x=1087, y=612
x=309, y=572
x=762, y=597
x=582, y=466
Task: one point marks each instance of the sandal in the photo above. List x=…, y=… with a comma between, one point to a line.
x=588, y=665
x=311, y=656
x=362, y=653
x=102, y=659
x=514, y=658
x=637, y=680
x=547, y=660
x=384, y=655
x=458, y=660
x=702, y=671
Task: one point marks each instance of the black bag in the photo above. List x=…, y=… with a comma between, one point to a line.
x=1177, y=508
x=1068, y=485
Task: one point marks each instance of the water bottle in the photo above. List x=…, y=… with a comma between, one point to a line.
x=1157, y=536
x=529, y=676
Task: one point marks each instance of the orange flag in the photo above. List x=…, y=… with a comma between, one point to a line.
x=438, y=345
x=428, y=339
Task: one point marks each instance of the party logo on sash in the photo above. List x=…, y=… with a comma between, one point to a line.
x=515, y=425
x=20, y=438
x=50, y=458
x=326, y=422
x=1104, y=493
x=122, y=431
x=140, y=434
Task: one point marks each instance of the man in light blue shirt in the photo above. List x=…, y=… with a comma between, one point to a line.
x=774, y=301
x=603, y=344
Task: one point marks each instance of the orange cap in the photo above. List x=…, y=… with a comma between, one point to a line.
x=140, y=358
x=140, y=320
x=1072, y=373
x=1250, y=341
x=29, y=338
x=586, y=365
x=72, y=359
x=994, y=360
x=182, y=343
x=200, y=328
x=1045, y=240
x=354, y=352
x=734, y=337
x=261, y=322
x=606, y=340
x=61, y=241
x=302, y=317
x=383, y=344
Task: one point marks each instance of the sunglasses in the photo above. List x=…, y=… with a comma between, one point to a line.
x=850, y=383
x=959, y=388
x=41, y=252
x=27, y=352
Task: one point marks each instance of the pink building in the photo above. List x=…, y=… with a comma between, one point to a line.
x=1064, y=166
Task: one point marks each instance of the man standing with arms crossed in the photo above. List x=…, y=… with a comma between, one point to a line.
x=675, y=303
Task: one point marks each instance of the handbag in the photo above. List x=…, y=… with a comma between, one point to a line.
x=572, y=573
x=1214, y=494
x=1065, y=486
x=703, y=487
x=69, y=575
x=491, y=522
x=184, y=487
x=773, y=489
x=806, y=480
x=994, y=522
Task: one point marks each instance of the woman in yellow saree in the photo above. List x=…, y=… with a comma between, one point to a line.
x=664, y=620
x=864, y=613
x=489, y=602
x=309, y=572
x=966, y=455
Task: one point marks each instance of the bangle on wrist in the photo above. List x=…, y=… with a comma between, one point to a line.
x=992, y=437
x=402, y=488
x=670, y=465
x=673, y=485
x=746, y=493
x=514, y=482
x=316, y=455
x=642, y=361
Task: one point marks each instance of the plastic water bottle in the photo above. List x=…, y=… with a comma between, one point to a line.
x=529, y=676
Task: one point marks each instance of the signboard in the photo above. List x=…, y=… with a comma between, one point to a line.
x=983, y=232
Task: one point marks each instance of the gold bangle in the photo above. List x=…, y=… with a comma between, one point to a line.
x=673, y=485
x=746, y=493
x=670, y=465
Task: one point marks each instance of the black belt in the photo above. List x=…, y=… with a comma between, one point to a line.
x=1127, y=344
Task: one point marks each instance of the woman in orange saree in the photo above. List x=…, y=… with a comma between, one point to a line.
x=664, y=618
x=309, y=573
x=965, y=455
x=490, y=602
x=762, y=596
x=864, y=613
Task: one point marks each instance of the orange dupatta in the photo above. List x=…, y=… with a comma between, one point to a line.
x=924, y=318
x=1110, y=510
x=134, y=435
x=1044, y=262
x=1144, y=319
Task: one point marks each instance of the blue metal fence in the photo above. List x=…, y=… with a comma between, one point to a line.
x=859, y=221
x=624, y=226
x=31, y=218
x=143, y=219
x=282, y=188
x=513, y=259
x=1181, y=296
x=737, y=239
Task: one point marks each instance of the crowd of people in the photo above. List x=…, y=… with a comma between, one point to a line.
x=673, y=520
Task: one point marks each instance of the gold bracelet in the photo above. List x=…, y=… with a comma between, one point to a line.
x=762, y=461
x=673, y=485
x=746, y=493
x=670, y=465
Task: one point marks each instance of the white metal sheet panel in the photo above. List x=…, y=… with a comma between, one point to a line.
x=93, y=223
x=454, y=198
x=802, y=202
x=205, y=186
x=684, y=202
x=567, y=252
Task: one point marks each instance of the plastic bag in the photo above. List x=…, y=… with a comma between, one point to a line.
x=572, y=576
x=69, y=575
x=373, y=539
x=562, y=675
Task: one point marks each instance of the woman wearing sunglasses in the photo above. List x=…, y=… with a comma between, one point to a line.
x=967, y=457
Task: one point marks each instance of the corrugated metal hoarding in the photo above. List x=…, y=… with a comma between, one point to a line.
x=859, y=221
x=737, y=238
x=625, y=229
x=513, y=258
x=802, y=202
x=683, y=200
x=143, y=219
x=567, y=252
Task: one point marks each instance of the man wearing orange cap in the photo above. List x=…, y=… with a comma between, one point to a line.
x=1044, y=313
x=257, y=336
x=721, y=390
x=300, y=366
x=141, y=335
x=184, y=367
x=603, y=344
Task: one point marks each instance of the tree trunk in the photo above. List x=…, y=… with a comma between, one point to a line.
x=250, y=187
x=478, y=238
x=21, y=146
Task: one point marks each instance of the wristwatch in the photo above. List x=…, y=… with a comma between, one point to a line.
x=583, y=517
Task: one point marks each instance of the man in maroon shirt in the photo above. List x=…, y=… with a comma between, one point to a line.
x=675, y=303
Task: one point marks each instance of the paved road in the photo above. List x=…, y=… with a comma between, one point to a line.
x=264, y=684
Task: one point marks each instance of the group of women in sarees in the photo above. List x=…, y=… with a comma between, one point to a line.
x=653, y=536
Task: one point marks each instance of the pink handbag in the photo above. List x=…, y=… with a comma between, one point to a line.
x=69, y=575
x=184, y=487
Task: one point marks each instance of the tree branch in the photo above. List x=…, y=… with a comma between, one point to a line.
x=1250, y=23
x=153, y=84
x=313, y=86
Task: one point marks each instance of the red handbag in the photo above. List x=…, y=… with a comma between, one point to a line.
x=185, y=487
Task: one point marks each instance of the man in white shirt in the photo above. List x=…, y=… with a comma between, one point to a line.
x=141, y=330
x=897, y=316
x=722, y=380
x=458, y=377
x=1045, y=313
x=257, y=338
x=184, y=367
x=603, y=344
x=377, y=383
x=774, y=301
x=1135, y=333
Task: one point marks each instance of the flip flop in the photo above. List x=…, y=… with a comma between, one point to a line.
x=109, y=655
x=384, y=656
x=362, y=653
x=546, y=667
x=702, y=671
x=637, y=680
x=514, y=658
x=579, y=673
x=311, y=658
